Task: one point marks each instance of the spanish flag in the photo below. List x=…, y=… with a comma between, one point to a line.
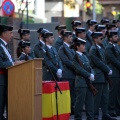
x=49, y=101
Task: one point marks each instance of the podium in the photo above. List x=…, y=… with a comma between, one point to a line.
x=25, y=91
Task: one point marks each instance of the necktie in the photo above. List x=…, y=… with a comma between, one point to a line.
x=84, y=57
x=72, y=51
x=52, y=50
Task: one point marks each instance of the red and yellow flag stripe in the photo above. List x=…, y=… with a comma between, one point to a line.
x=49, y=101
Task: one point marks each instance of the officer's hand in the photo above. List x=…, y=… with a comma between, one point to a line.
x=18, y=62
x=59, y=73
x=92, y=77
x=110, y=72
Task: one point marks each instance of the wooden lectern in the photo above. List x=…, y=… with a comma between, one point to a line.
x=25, y=91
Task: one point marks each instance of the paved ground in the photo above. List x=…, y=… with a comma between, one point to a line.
x=84, y=117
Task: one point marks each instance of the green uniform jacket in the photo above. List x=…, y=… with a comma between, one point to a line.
x=66, y=55
x=98, y=62
x=119, y=33
x=73, y=36
x=53, y=61
x=58, y=43
x=4, y=63
x=89, y=38
x=105, y=42
x=88, y=45
x=113, y=57
x=25, y=57
x=37, y=49
x=81, y=72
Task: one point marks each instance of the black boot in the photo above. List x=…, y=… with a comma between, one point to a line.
x=108, y=117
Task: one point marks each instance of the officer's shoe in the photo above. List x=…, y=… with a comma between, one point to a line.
x=96, y=117
x=118, y=114
x=72, y=112
x=108, y=117
x=113, y=114
x=4, y=118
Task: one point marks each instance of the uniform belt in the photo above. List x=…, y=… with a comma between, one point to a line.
x=3, y=71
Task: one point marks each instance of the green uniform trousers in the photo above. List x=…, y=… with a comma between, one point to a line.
x=84, y=95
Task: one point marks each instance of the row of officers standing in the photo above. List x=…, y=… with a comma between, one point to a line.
x=88, y=59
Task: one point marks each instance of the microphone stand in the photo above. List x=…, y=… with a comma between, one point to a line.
x=56, y=83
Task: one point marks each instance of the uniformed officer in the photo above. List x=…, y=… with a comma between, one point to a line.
x=112, y=53
x=91, y=28
x=75, y=24
x=54, y=64
x=6, y=60
x=102, y=28
x=59, y=40
x=25, y=36
x=66, y=55
x=81, y=33
x=104, y=21
x=111, y=27
x=101, y=70
x=25, y=55
x=117, y=23
x=108, y=27
x=40, y=43
x=84, y=73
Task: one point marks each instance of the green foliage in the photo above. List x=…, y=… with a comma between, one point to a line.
x=99, y=7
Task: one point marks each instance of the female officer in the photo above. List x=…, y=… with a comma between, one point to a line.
x=84, y=77
x=26, y=49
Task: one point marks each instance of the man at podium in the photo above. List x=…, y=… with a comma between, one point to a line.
x=6, y=35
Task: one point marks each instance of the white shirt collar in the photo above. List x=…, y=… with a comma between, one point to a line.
x=98, y=46
x=67, y=44
x=73, y=32
x=49, y=46
x=3, y=41
x=24, y=53
x=112, y=44
x=42, y=42
x=80, y=53
x=90, y=31
x=117, y=28
x=59, y=36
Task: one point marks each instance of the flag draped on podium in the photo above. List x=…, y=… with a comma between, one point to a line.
x=49, y=101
